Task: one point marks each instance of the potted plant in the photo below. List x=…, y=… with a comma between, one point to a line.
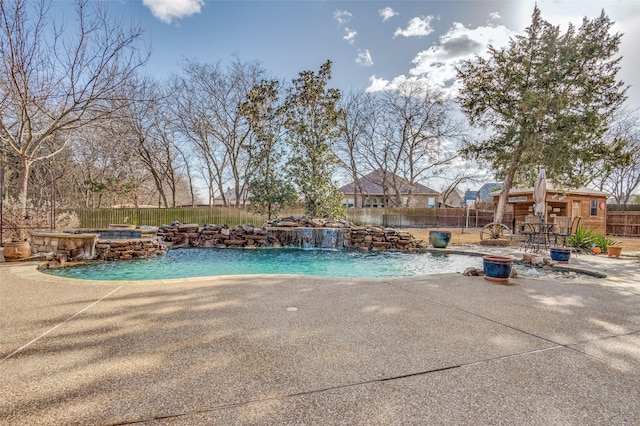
x=16, y=250
x=439, y=239
x=603, y=243
x=14, y=235
x=16, y=223
x=497, y=268
x=614, y=251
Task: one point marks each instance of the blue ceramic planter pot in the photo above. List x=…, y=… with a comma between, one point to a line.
x=439, y=239
x=497, y=268
x=560, y=254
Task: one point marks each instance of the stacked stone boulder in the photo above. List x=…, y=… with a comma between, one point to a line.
x=221, y=236
x=249, y=236
x=376, y=238
x=125, y=249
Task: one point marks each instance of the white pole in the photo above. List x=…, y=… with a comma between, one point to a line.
x=467, y=224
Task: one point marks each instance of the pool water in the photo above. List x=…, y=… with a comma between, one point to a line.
x=199, y=262
x=204, y=262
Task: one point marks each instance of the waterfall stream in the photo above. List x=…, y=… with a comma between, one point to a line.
x=310, y=237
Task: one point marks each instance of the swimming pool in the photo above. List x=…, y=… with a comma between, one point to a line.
x=203, y=262
x=198, y=262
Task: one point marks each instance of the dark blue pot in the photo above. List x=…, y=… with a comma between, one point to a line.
x=439, y=239
x=497, y=268
x=560, y=254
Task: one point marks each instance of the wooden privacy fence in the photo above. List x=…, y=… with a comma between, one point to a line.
x=625, y=224
x=388, y=217
x=421, y=218
x=102, y=218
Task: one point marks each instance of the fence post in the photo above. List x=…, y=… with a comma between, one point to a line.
x=467, y=218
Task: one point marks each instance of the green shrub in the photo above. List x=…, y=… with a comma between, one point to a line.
x=602, y=241
x=582, y=240
x=586, y=238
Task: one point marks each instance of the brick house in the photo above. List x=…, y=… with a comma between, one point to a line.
x=384, y=189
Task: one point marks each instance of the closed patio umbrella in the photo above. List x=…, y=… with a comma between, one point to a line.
x=539, y=195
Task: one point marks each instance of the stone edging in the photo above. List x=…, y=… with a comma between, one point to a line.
x=291, y=232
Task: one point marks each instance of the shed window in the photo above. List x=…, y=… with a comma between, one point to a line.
x=594, y=207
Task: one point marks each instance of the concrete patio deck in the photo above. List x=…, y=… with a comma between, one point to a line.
x=442, y=349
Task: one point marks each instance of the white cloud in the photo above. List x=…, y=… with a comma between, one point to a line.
x=387, y=13
x=494, y=16
x=436, y=65
x=364, y=58
x=417, y=27
x=342, y=16
x=377, y=84
x=167, y=10
x=381, y=84
x=350, y=36
x=458, y=44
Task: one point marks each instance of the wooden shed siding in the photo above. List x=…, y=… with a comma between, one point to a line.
x=564, y=207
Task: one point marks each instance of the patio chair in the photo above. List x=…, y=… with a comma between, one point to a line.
x=561, y=226
x=527, y=231
x=569, y=232
x=531, y=218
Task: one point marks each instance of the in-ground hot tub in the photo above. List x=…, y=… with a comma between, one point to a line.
x=120, y=233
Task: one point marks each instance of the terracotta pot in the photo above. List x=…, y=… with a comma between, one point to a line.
x=497, y=268
x=614, y=251
x=14, y=252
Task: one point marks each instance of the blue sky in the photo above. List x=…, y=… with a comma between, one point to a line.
x=372, y=43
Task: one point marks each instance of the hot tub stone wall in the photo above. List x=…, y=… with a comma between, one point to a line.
x=248, y=236
x=62, y=247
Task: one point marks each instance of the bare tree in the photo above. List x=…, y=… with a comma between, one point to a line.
x=94, y=157
x=208, y=114
x=145, y=124
x=357, y=130
x=409, y=133
x=54, y=79
x=463, y=172
x=105, y=170
x=421, y=127
x=621, y=180
x=191, y=112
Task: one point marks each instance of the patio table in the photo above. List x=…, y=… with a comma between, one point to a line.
x=538, y=235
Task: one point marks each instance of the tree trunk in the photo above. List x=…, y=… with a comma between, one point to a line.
x=504, y=195
x=23, y=188
x=508, y=183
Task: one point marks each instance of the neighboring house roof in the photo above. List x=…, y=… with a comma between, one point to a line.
x=455, y=199
x=372, y=185
x=486, y=191
x=470, y=196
